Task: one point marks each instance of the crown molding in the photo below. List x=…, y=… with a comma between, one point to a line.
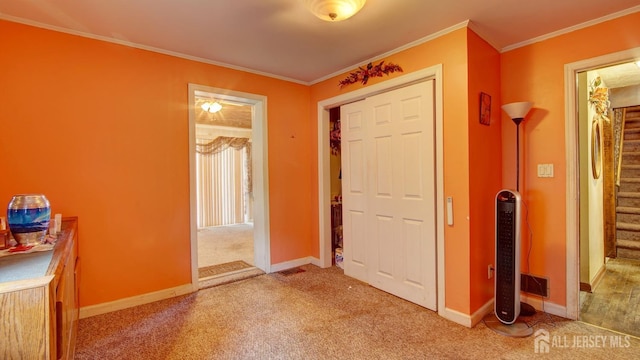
x=583, y=25
x=144, y=47
x=412, y=44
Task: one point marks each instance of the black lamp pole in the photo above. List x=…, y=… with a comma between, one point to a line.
x=518, y=121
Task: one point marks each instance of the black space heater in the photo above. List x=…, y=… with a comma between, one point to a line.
x=507, y=276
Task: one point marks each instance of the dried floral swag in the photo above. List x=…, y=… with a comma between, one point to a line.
x=362, y=75
x=599, y=97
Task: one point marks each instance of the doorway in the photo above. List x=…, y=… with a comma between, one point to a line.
x=324, y=190
x=609, y=272
x=224, y=189
x=246, y=163
x=595, y=275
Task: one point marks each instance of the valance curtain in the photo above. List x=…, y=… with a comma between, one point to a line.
x=223, y=168
x=222, y=143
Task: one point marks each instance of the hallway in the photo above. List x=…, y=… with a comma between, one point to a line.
x=615, y=302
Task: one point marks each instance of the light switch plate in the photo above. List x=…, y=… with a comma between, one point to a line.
x=545, y=170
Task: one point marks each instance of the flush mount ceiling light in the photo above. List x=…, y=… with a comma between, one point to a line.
x=211, y=106
x=638, y=63
x=334, y=10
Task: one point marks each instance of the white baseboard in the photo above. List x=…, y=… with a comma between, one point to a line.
x=292, y=263
x=485, y=309
x=473, y=319
x=456, y=316
x=121, y=304
x=315, y=261
x=467, y=320
x=598, y=277
x=549, y=307
x=108, y=307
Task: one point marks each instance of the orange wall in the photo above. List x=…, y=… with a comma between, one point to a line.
x=449, y=50
x=102, y=130
x=536, y=73
x=92, y=111
x=485, y=166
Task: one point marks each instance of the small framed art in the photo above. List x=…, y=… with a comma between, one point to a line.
x=485, y=108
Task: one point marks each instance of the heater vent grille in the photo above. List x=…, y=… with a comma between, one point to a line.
x=534, y=285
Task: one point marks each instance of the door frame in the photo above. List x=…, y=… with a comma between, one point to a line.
x=572, y=221
x=260, y=168
x=324, y=172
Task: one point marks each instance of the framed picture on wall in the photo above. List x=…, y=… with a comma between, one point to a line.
x=485, y=108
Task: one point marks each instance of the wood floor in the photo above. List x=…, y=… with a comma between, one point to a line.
x=615, y=302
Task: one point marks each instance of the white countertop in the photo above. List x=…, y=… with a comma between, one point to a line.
x=24, y=266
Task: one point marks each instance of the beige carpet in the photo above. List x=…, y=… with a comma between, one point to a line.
x=317, y=314
x=225, y=244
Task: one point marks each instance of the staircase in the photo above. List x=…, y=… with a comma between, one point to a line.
x=628, y=198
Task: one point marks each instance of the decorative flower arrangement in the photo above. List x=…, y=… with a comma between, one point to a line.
x=599, y=97
x=363, y=74
x=334, y=138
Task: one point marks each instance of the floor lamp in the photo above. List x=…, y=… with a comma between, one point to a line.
x=507, y=303
x=517, y=111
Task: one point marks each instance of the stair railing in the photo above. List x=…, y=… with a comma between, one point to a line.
x=620, y=141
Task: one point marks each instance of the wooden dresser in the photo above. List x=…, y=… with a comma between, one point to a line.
x=39, y=300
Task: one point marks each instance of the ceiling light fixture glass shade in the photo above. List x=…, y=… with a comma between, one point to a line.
x=638, y=63
x=211, y=107
x=334, y=10
x=517, y=110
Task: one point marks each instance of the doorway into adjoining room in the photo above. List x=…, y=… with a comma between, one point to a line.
x=229, y=231
x=225, y=211
x=609, y=139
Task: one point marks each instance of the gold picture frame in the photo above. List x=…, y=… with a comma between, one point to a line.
x=596, y=149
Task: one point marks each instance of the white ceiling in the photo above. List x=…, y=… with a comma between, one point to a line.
x=281, y=38
x=621, y=75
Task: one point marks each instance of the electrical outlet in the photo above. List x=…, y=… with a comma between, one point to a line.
x=489, y=271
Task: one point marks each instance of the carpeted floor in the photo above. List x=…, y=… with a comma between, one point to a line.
x=225, y=244
x=322, y=314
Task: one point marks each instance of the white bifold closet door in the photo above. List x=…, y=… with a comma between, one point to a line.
x=389, y=192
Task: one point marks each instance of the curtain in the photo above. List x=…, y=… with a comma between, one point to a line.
x=222, y=143
x=223, y=170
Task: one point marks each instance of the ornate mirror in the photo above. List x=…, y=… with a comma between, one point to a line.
x=596, y=149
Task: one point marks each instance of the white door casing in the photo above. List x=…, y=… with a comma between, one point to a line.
x=389, y=192
x=260, y=168
x=572, y=185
